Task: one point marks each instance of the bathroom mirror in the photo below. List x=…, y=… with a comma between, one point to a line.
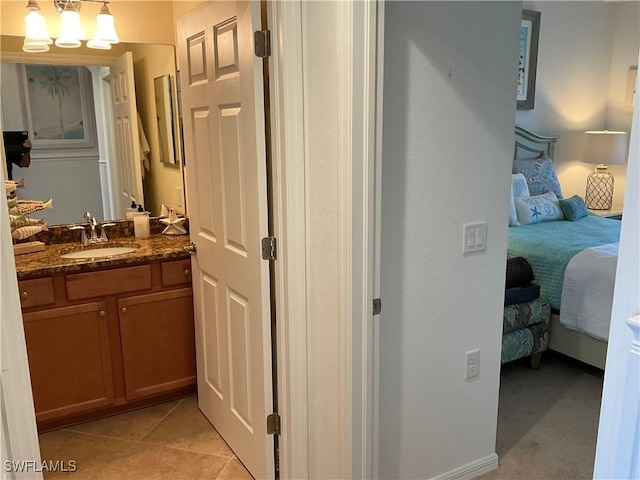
x=165, y=119
x=80, y=179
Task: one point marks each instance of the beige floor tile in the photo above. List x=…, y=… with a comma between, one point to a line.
x=130, y=425
x=235, y=470
x=89, y=452
x=152, y=462
x=187, y=428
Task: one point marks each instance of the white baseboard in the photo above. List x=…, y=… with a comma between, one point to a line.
x=471, y=470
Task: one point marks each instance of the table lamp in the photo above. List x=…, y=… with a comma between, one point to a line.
x=603, y=147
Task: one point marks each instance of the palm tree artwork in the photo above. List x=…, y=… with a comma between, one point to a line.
x=55, y=102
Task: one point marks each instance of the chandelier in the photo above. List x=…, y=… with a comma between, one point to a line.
x=37, y=37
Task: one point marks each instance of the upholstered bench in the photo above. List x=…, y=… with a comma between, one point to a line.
x=525, y=331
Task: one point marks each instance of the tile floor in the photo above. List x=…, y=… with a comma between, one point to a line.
x=172, y=441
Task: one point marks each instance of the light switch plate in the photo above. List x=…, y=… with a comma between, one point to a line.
x=474, y=238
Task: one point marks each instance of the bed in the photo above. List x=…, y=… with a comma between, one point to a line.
x=573, y=260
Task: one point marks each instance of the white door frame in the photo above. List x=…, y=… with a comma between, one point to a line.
x=288, y=195
x=357, y=217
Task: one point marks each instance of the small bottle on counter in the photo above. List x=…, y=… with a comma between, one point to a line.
x=141, y=223
x=131, y=211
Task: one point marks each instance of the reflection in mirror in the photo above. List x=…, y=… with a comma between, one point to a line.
x=85, y=179
x=165, y=117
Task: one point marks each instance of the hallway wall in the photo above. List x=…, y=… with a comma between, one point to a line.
x=449, y=107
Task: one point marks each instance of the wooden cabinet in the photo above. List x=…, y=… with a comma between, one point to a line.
x=108, y=340
x=69, y=359
x=158, y=342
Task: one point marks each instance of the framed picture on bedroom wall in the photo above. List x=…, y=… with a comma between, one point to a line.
x=528, y=59
x=59, y=105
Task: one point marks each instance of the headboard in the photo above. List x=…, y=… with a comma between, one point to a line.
x=530, y=145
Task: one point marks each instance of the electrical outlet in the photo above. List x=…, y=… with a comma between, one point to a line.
x=473, y=364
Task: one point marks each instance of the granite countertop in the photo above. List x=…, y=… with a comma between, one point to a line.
x=48, y=261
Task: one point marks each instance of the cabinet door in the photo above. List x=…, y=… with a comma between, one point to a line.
x=69, y=359
x=158, y=342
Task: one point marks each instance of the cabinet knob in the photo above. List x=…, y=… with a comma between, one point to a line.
x=187, y=272
x=102, y=313
x=25, y=294
x=124, y=309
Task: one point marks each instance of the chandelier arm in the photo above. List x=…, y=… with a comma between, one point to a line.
x=60, y=4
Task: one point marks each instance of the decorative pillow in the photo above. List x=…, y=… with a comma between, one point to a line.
x=573, y=208
x=538, y=209
x=540, y=174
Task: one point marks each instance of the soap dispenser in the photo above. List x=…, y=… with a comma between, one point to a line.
x=131, y=210
x=141, y=223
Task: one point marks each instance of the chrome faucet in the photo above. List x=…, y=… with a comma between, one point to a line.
x=93, y=224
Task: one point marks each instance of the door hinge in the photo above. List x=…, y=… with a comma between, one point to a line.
x=377, y=306
x=273, y=424
x=269, y=248
x=262, y=43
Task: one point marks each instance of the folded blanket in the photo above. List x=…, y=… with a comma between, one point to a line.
x=587, y=291
x=521, y=294
x=519, y=272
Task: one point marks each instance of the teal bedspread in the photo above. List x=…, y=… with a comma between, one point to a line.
x=549, y=247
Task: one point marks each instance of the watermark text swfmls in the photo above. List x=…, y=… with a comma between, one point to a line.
x=23, y=466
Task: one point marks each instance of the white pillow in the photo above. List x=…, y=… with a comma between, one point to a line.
x=513, y=215
x=538, y=209
x=519, y=188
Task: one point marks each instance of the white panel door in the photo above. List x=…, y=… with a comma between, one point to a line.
x=125, y=116
x=223, y=114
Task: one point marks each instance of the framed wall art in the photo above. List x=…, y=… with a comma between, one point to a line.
x=528, y=59
x=59, y=104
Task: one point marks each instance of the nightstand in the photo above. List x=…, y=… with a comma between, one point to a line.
x=615, y=213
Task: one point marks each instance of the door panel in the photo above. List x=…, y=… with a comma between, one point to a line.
x=223, y=105
x=125, y=116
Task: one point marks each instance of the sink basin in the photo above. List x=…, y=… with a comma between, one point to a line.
x=99, y=253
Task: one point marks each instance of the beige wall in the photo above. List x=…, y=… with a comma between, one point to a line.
x=163, y=183
x=449, y=107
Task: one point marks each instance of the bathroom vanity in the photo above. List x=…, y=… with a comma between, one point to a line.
x=105, y=335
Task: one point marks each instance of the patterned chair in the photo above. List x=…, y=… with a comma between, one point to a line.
x=525, y=331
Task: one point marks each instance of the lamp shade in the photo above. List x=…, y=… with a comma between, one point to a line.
x=106, y=31
x=36, y=28
x=605, y=147
x=37, y=38
x=71, y=31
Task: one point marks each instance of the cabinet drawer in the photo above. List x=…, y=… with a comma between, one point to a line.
x=108, y=282
x=36, y=292
x=177, y=272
